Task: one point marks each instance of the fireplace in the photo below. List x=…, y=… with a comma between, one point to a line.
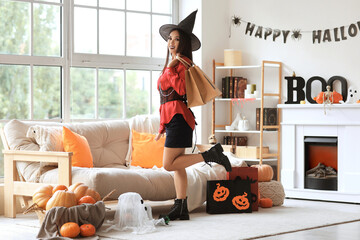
x=320, y=163
x=307, y=132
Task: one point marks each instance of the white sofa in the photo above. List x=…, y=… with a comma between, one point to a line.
x=109, y=144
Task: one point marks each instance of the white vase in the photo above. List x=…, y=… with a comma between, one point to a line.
x=235, y=123
x=243, y=124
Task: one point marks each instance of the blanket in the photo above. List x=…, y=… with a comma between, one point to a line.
x=81, y=214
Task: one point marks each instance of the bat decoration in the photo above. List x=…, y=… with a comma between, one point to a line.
x=296, y=34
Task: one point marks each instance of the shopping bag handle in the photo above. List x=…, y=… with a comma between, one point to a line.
x=183, y=61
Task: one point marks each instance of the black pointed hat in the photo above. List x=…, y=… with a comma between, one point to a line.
x=186, y=25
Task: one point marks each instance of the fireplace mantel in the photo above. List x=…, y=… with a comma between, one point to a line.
x=341, y=121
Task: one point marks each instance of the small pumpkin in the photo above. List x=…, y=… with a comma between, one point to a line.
x=59, y=187
x=220, y=193
x=266, y=202
x=241, y=202
x=87, y=230
x=265, y=172
x=61, y=198
x=70, y=230
x=42, y=195
x=86, y=199
x=80, y=190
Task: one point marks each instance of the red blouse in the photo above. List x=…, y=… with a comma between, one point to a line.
x=174, y=77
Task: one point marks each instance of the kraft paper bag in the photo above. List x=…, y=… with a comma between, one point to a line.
x=199, y=88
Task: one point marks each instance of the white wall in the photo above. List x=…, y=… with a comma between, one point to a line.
x=305, y=58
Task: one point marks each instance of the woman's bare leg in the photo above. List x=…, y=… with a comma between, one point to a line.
x=176, y=160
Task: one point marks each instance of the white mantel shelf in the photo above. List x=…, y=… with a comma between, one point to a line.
x=341, y=121
x=319, y=106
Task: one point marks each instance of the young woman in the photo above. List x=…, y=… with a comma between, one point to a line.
x=176, y=119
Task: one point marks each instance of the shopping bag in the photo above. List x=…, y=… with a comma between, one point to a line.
x=199, y=88
x=228, y=196
x=250, y=174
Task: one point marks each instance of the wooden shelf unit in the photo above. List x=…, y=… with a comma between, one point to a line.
x=264, y=64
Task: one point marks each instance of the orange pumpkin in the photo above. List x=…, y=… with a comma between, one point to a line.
x=59, y=187
x=80, y=190
x=86, y=199
x=70, y=230
x=266, y=202
x=61, y=198
x=337, y=97
x=241, y=202
x=87, y=230
x=265, y=172
x=42, y=195
x=220, y=193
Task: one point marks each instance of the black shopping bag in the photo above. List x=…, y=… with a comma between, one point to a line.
x=228, y=196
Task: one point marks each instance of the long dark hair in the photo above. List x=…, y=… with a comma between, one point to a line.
x=184, y=47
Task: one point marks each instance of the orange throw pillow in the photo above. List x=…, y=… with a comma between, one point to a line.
x=146, y=152
x=80, y=148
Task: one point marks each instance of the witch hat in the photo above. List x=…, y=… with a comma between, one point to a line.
x=186, y=25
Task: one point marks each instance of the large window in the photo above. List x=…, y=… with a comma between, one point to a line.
x=81, y=59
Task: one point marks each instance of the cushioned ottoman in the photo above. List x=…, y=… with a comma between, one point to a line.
x=273, y=190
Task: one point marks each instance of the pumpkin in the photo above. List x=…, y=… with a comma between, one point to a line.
x=337, y=97
x=266, y=202
x=80, y=190
x=87, y=230
x=86, y=199
x=241, y=202
x=59, y=187
x=265, y=172
x=42, y=195
x=70, y=230
x=220, y=193
x=61, y=198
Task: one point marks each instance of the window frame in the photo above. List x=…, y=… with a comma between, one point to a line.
x=68, y=59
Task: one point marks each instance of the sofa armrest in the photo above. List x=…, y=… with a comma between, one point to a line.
x=13, y=187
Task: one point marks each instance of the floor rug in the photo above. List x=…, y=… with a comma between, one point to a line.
x=294, y=215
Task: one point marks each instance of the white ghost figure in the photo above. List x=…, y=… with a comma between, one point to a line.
x=352, y=96
x=132, y=214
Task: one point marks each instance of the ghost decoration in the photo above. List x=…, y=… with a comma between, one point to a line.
x=352, y=96
x=134, y=215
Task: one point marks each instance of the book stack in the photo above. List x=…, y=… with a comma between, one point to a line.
x=270, y=118
x=233, y=87
x=235, y=141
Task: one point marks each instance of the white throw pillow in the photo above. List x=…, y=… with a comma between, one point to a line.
x=48, y=138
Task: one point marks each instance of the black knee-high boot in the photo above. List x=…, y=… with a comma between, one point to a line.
x=178, y=211
x=215, y=154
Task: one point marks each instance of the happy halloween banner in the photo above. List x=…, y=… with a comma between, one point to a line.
x=318, y=36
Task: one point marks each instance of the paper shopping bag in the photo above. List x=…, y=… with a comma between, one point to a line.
x=228, y=196
x=250, y=174
x=199, y=88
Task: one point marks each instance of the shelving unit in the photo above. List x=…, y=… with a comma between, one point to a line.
x=215, y=127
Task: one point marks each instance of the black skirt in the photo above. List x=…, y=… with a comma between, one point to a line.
x=178, y=133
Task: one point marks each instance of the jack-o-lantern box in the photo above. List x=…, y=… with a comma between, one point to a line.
x=251, y=174
x=228, y=196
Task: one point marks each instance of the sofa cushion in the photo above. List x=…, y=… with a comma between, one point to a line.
x=146, y=152
x=154, y=184
x=144, y=124
x=108, y=140
x=79, y=146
